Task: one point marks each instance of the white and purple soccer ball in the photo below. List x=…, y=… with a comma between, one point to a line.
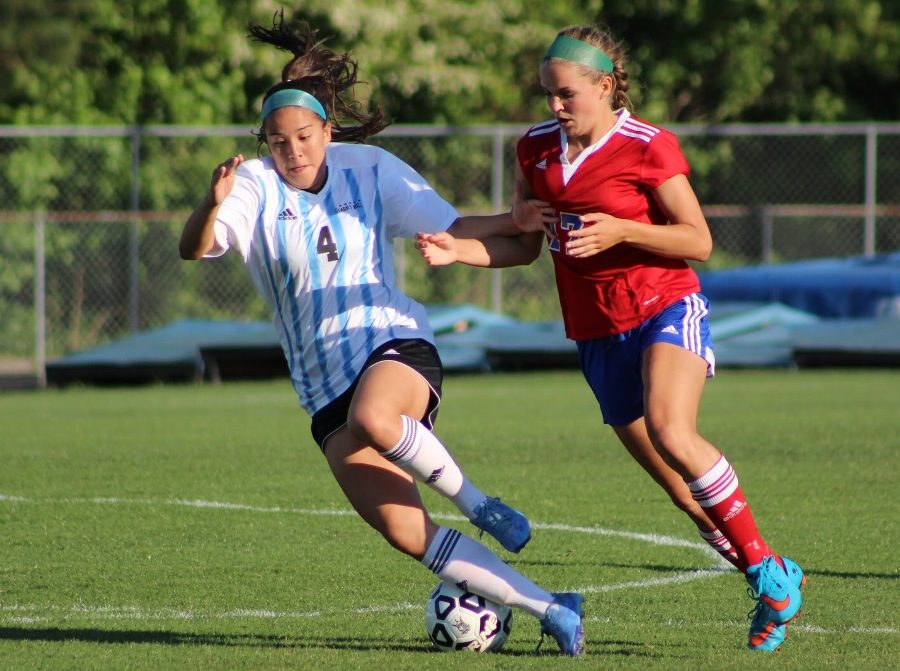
x=456, y=619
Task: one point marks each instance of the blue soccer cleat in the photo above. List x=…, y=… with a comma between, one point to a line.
x=563, y=622
x=767, y=635
x=772, y=586
x=794, y=572
x=510, y=527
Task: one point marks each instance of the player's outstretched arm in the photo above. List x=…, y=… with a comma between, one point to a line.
x=499, y=251
x=198, y=236
x=527, y=215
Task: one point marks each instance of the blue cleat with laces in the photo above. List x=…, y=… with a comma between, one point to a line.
x=766, y=634
x=510, y=527
x=562, y=621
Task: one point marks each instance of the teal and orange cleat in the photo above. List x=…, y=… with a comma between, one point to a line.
x=767, y=635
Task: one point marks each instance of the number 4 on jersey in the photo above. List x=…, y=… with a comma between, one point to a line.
x=325, y=244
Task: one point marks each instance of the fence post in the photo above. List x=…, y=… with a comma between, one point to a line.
x=133, y=251
x=871, y=179
x=497, y=204
x=40, y=300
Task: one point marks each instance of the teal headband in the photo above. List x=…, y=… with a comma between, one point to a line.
x=577, y=51
x=291, y=98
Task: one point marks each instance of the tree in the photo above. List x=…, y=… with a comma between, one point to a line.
x=763, y=60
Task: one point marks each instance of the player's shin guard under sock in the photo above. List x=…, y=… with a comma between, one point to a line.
x=460, y=560
x=719, y=494
x=421, y=454
x=723, y=546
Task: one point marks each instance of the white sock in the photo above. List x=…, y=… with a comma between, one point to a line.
x=422, y=455
x=455, y=558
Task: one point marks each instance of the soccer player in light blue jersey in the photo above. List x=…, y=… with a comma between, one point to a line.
x=314, y=223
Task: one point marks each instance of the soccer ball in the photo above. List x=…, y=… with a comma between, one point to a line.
x=457, y=619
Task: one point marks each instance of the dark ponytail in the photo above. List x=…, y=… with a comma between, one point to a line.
x=322, y=73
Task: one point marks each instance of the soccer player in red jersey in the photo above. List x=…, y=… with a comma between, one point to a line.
x=610, y=193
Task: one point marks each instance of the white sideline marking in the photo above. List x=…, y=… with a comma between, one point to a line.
x=201, y=503
x=30, y=614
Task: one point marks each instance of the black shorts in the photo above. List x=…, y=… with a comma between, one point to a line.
x=420, y=355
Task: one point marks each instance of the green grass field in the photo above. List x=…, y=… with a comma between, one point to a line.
x=197, y=527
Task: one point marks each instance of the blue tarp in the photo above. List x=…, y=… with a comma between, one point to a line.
x=846, y=311
x=849, y=288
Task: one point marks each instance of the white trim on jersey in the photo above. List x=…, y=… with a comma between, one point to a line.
x=543, y=128
x=568, y=169
x=638, y=130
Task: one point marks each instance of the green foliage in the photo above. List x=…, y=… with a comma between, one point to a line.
x=760, y=60
x=450, y=61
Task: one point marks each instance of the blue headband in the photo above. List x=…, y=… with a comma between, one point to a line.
x=291, y=98
x=578, y=51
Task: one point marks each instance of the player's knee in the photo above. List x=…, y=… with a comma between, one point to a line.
x=673, y=441
x=374, y=427
x=685, y=502
x=410, y=539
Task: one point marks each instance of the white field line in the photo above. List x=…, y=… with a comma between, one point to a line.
x=655, y=539
x=34, y=613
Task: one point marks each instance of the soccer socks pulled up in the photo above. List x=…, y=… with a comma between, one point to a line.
x=460, y=560
x=719, y=494
x=421, y=454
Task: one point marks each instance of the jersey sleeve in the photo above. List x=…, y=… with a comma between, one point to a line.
x=410, y=203
x=663, y=160
x=237, y=215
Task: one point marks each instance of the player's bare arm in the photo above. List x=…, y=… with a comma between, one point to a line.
x=198, y=236
x=498, y=251
x=530, y=214
x=686, y=236
x=527, y=215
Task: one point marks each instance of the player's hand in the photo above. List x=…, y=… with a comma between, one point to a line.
x=223, y=179
x=599, y=233
x=438, y=249
x=531, y=215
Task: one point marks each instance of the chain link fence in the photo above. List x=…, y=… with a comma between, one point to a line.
x=91, y=219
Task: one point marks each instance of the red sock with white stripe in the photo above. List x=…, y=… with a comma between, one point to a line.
x=723, y=546
x=719, y=494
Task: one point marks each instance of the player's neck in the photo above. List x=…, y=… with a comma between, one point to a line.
x=605, y=122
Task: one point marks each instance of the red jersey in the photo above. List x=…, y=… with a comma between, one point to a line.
x=621, y=287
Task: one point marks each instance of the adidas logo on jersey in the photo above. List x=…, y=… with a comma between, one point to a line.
x=286, y=215
x=542, y=164
x=670, y=329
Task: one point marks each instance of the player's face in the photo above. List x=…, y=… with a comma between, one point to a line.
x=297, y=138
x=578, y=103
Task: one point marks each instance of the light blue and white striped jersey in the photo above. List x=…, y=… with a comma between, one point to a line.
x=324, y=261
